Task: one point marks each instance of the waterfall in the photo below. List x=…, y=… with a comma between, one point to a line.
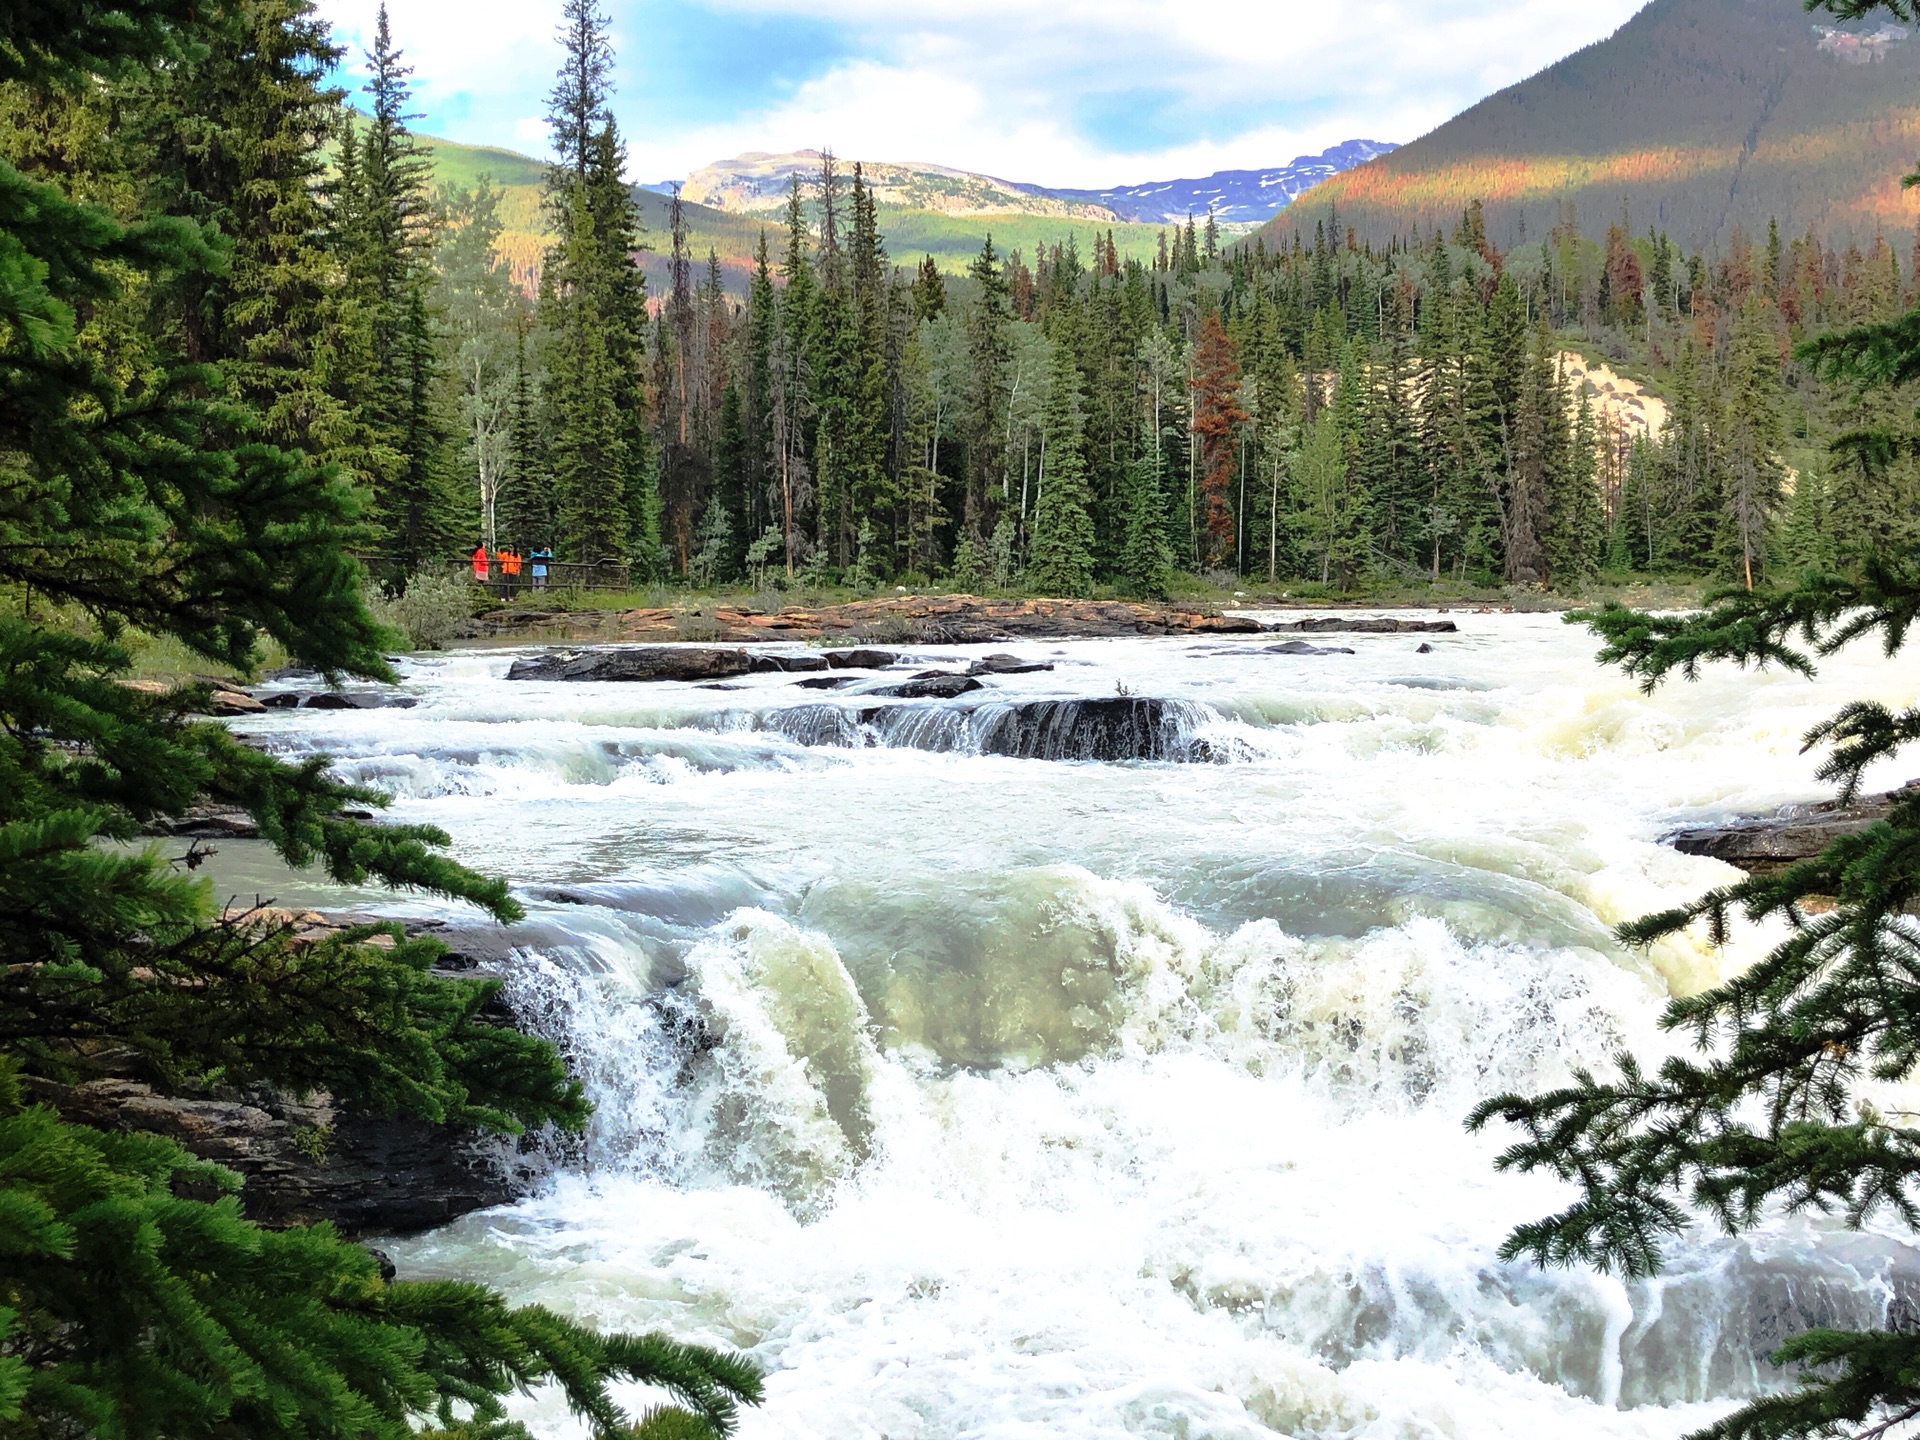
x=990, y=1066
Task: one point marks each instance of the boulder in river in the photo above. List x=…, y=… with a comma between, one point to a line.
x=637, y=662
x=1301, y=647
x=1110, y=728
x=930, y=685
x=785, y=664
x=1006, y=665
x=359, y=700
x=861, y=659
x=1365, y=625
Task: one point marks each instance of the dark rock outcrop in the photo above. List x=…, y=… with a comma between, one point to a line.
x=1764, y=844
x=1109, y=728
x=637, y=662
x=930, y=685
x=1301, y=647
x=303, y=1162
x=1006, y=665
x=861, y=659
x=786, y=664
x=206, y=822
x=359, y=700
x=310, y=1159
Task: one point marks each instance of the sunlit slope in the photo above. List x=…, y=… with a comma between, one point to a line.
x=952, y=240
x=1694, y=117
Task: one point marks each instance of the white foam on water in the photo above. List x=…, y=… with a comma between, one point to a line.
x=1004, y=1098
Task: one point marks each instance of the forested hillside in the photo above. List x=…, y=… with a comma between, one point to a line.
x=560, y=364
x=1695, y=118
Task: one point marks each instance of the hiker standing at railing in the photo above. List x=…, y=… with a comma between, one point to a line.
x=540, y=559
x=480, y=562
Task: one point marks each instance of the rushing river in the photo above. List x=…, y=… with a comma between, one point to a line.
x=1018, y=1097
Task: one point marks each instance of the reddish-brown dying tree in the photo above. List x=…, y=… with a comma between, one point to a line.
x=1216, y=412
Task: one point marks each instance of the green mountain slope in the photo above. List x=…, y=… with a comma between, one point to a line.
x=1694, y=117
x=910, y=233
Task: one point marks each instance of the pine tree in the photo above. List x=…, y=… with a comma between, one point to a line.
x=1146, y=558
x=1575, y=521
x=792, y=408
x=929, y=292
x=1752, y=479
x=525, y=506
x=989, y=349
x=593, y=323
x=235, y=140
x=383, y=225
x=1060, y=552
x=585, y=451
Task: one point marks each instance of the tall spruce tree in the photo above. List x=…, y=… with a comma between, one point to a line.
x=1145, y=562
x=235, y=140
x=384, y=233
x=989, y=350
x=1060, y=551
x=593, y=319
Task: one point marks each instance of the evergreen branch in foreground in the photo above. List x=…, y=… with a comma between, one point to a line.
x=1769, y=1116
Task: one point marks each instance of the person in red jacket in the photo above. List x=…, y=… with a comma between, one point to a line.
x=480, y=563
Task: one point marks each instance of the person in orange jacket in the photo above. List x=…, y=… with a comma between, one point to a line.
x=510, y=571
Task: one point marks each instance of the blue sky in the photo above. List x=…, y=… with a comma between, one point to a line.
x=1059, y=92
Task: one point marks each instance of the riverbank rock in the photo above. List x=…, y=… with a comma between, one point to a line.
x=305, y=1162
x=206, y=822
x=223, y=699
x=897, y=619
x=1764, y=844
x=310, y=1159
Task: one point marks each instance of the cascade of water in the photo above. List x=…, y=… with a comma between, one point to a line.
x=981, y=1093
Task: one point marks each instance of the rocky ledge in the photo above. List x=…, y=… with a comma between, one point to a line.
x=1761, y=845
x=311, y=1159
x=899, y=619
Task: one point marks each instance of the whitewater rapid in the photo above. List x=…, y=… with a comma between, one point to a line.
x=992, y=1097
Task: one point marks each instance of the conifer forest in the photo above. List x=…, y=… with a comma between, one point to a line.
x=1325, y=413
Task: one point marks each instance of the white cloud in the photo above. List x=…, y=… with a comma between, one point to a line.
x=1055, y=93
